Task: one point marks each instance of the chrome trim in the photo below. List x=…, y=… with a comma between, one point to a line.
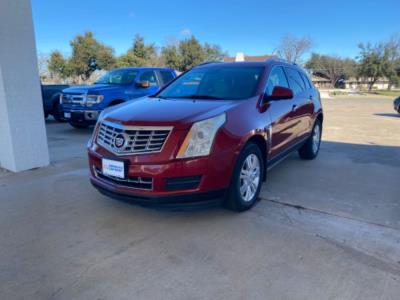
x=134, y=128
x=73, y=99
x=96, y=172
x=130, y=127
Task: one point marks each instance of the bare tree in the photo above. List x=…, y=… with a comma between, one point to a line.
x=330, y=67
x=293, y=48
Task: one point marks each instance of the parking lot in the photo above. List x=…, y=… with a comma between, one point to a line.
x=325, y=229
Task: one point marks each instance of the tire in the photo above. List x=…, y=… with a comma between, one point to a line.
x=243, y=199
x=57, y=113
x=79, y=126
x=311, y=147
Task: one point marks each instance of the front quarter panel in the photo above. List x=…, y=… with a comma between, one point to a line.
x=246, y=121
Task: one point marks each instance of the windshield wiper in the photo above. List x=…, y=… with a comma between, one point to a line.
x=194, y=96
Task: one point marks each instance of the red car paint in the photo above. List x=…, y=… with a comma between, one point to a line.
x=277, y=126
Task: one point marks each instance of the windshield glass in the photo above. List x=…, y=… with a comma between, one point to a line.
x=222, y=83
x=118, y=77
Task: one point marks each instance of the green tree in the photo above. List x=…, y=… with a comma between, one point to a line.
x=85, y=51
x=372, y=63
x=140, y=54
x=213, y=52
x=331, y=67
x=189, y=53
x=192, y=53
x=172, y=57
x=392, y=60
x=58, y=65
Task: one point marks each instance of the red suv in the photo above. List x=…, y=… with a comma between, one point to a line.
x=210, y=134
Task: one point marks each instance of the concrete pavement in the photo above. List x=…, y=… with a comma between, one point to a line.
x=325, y=229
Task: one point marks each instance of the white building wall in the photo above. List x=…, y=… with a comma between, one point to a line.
x=23, y=142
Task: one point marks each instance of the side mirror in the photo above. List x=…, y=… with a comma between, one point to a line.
x=143, y=84
x=279, y=93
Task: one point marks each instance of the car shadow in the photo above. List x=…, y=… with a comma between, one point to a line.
x=393, y=115
x=364, y=153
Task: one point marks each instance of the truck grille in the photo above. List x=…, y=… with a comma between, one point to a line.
x=125, y=140
x=74, y=99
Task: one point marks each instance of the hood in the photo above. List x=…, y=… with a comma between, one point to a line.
x=95, y=88
x=180, y=113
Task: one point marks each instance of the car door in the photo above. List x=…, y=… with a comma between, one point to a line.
x=151, y=78
x=300, y=103
x=284, y=124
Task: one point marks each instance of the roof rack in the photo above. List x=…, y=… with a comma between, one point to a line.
x=209, y=62
x=282, y=60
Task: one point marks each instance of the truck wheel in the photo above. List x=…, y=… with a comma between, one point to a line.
x=246, y=180
x=311, y=147
x=58, y=113
x=79, y=125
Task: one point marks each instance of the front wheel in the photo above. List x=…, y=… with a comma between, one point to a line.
x=58, y=113
x=247, y=179
x=311, y=147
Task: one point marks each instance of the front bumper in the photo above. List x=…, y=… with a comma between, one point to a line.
x=178, y=181
x=195, y=199
x=82, y=116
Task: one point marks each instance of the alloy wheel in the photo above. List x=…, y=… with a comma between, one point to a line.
x=316, y=139
x=250, y=177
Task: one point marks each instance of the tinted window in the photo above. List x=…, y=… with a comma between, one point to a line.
x=149, y=76
x=166, y=76
x=118, y=77
x=295, y=81
x=223, y=83
x=276, y=78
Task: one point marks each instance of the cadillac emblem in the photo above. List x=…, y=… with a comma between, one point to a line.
x=119, y=141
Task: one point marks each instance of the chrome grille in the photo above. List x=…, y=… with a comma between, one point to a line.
x=77, y=99
x=124, y=140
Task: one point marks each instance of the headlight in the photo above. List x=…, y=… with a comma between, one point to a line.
x=61, y=98
x=199, y=140
x=93, y=99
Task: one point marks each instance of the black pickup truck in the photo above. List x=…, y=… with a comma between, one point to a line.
x=51, y=100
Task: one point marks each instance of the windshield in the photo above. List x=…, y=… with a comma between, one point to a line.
x=222, y=83
x=118, y=77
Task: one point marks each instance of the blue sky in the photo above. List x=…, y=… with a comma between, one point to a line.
x=252, y=27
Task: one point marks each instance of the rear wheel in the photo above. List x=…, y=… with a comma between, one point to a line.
x=247, y=179
x=311, y=147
